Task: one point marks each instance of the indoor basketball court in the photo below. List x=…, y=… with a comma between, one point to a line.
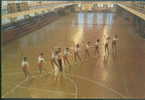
x=118, y=76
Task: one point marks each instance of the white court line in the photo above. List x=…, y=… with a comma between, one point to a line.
x=53, y=91
x=100, y=84
x=15, y=73
x=12, y=90
x=76, y=88
x=125, y=84
x=72, y=81
x=75, y=85
x=18, y=85
x=12, y=73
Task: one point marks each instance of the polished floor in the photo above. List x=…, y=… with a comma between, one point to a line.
x=119, y=76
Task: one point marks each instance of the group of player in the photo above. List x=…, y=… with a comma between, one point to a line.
x=60, y=58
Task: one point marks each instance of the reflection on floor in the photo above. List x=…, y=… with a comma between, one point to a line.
x=119, y=76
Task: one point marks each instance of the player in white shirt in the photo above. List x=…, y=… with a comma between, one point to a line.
x=107, y=45
x=76, y=52
x=66, y=55
x=97, y=47
x=54, y=63
x=87, y=47
x=114, y=43
x=25, y=67
x=53, y=57
x=59, y=59
x=41, y=62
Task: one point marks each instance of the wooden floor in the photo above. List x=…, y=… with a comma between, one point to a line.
x=120, y=76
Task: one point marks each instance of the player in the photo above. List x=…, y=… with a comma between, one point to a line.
x=59, y=59
x=97, y=47
x=41, y=62
x=76, y=52
x=114, y=43
x=53, y=60
x=87, y=46
x=66, y=56
x=107, y=45
x=25, y=67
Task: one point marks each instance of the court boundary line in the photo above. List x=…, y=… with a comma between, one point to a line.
x=13, y=89
x=55, y=91
x=18, y=72
x=125, y=84
x=76, y=87
x=12, y=73
x=98, y=84
x=18, y=85
x=21, y=82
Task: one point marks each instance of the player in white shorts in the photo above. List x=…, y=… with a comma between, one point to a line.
x=59, y=59
x=41, y=62
x=66, y=55
x=87, y=47
x=107, y=45
x=76, y=52
x=114, y=43
x=97, y=47
x=54, y=63
x=53, y=59
x=66, y=58
x=25, y=67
